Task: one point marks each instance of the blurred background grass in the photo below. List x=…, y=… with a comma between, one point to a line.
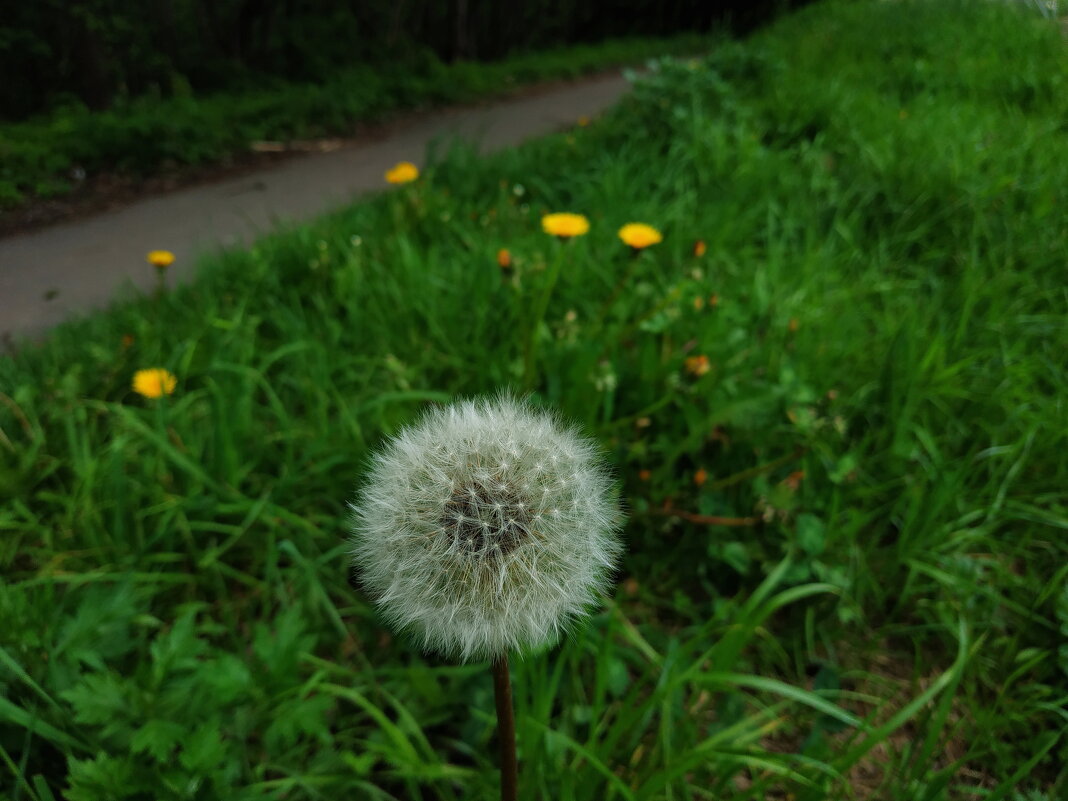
x=879, y=190
x=53, y=155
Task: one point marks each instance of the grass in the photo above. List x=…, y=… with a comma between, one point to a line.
x=847, y=551
x=41, y=158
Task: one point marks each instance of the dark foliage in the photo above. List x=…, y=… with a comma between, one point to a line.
x=99, y=52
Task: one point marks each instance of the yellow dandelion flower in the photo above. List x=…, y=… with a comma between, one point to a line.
x=403, y=172
x=639, y=235
x=565, y=225
x=154, y=382
x=160, y=259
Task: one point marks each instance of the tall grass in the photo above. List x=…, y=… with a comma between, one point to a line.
x=847, y=553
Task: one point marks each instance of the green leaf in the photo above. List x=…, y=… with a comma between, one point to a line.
x=100, y=699
x=785, y=690
x=827, y=680
x=618, y=677
x=225, y=679
x=297, y=717
x=15, y=714
x=360, y=765
x=203, y=750
x=103, y=778
x=280, y=643
x=157, y=738
x=736, y=554
x=811, y=534
x=179, y=648
x=846, y=465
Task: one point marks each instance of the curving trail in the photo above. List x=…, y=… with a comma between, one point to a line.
x=49, y=274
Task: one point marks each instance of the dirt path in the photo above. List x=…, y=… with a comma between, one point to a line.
x=49, y=274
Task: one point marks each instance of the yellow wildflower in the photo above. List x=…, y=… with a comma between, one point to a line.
x=697, y=365
x=639, y=235
x=504, y=258
x=565, y=225
x=154, y=382
x=403, y=172
x=160, y=259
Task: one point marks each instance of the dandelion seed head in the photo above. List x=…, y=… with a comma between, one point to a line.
x=458, y=534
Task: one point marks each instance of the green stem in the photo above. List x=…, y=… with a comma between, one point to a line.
x=531, y=334
x=624, y=280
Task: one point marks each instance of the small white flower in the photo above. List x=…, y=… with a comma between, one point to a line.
x=458, y=534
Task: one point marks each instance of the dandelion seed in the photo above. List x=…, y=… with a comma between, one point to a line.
x=502, y=588
x=477, y=568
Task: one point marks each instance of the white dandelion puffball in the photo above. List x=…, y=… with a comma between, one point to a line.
x=486, y=527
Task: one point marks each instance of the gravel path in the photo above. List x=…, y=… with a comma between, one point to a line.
x=50, y=274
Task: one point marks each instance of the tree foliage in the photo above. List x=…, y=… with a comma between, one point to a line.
x=99, y=52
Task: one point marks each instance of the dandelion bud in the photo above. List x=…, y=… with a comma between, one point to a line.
x=486, y=527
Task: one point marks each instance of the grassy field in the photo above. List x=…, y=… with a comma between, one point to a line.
x=838, y=425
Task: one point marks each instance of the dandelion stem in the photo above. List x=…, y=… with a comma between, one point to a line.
x=529, y=345
x=502, y=692
x=625, y=280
